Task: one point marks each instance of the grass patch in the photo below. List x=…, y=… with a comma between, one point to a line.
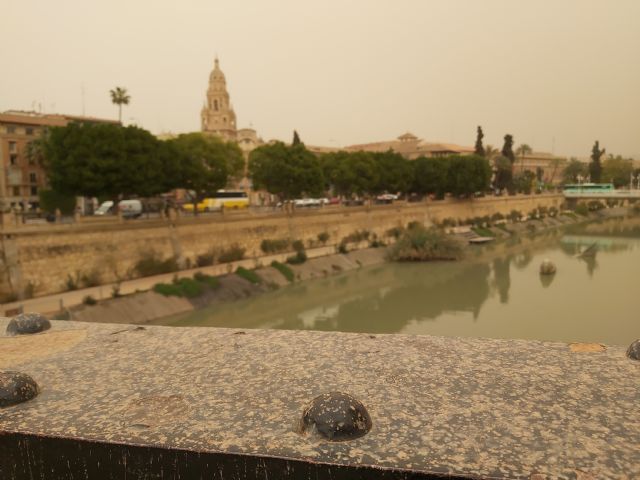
x=483, y=231
x=187, y=287
x=284, y=270
x=249, y=275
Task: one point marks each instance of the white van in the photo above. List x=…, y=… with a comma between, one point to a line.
x=129, y=208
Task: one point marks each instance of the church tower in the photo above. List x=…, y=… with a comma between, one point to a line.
x=217, y=114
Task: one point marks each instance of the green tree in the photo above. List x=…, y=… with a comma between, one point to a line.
x=101, y=160
x=287, y=171
x=296, y=139
x=524, y=182
x=490, y=152
x=595, y=167
x=394, y=173
x=479, y=149
x=430, y=176
x=467, y=174
x=503, y=173
x=617, y=170
x=206, y=163
x=573, y=171
x=119, y=97
x=507, y=148
x=51, y=200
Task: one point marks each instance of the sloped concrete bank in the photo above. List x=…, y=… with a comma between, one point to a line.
x=120, y=401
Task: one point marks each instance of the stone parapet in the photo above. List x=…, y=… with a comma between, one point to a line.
x=119, y=401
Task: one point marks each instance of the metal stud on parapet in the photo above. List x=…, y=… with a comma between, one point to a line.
x=27, y=323
x=336, y=416
x=633, y=352
x=16, y=387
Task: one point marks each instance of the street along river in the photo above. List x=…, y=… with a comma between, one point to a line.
x=495, y=292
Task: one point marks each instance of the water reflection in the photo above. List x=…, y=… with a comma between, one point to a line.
x=477, y=297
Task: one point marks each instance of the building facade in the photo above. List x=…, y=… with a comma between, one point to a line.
x=22, y=175
x=550, y=165
x=217, y=115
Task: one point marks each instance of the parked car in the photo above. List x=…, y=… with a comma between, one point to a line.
x=129, y=208
x=386, y=198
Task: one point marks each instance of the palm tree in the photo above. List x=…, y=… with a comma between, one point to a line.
x=490, y=152
x=523, y=150
x=119, y=97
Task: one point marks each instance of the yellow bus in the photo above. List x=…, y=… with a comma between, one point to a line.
x=227, y=199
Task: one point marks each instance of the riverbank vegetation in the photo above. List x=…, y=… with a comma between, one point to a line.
x=418, y=244
x=187, y=287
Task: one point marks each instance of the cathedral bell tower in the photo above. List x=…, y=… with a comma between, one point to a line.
x=217, y=114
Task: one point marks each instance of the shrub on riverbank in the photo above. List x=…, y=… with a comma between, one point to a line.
x=231, y=254
x=249, y=275
x=423, y=244
x=284, y=270
x=274, y=245
x=187, y=287
x=152, y=264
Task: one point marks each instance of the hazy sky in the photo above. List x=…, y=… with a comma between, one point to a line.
x=340, y=71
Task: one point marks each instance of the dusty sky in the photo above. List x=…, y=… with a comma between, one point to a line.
x=340, y=71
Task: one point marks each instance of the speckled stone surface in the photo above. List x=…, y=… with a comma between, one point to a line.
x=470, y=407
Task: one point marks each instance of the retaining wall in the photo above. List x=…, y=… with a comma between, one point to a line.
x=39, y=259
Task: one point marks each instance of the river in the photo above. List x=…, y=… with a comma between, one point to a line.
x=496, y=292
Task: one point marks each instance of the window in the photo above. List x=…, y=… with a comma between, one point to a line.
x=16, y=191
x=28, y=131
x=33, y=177
x=215, y=105
x=11, y=129
x=34, y=191
x=13, y=147
x=13, y=159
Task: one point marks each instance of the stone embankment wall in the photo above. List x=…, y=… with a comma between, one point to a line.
x=39, y=259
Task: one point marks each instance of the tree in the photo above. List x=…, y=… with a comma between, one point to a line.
x=523, y=150
x=524, y=182
x=467, y=174
x=504, y=173
x=507, y=148
x=430, y=176
x=490, y=152
x=287, y=171
x=394, y=173
x=296, y=139
x=479, y=149
x=595, y=167
x=120, y=97
x=617, y=170
x=206, y=163
x=103, y=160
x=574, y=170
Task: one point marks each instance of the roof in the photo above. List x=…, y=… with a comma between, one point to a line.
x=409, y=143
x=48, y=120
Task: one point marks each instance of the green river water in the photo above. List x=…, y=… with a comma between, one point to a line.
x=496, y=292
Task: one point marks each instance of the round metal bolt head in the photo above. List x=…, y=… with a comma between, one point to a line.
x=27, y=323
x=633, y=352
x=336, y=416
x=16, y=387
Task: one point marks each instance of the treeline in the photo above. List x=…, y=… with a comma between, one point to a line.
x=293, y=172
x=110, y=161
